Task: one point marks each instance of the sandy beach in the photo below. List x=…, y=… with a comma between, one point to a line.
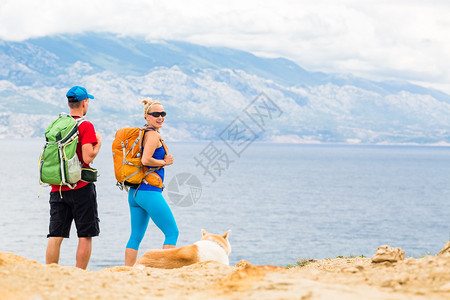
x=339, y=278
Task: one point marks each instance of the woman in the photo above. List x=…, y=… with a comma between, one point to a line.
x=147, y=202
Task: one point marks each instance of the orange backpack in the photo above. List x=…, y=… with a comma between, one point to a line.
x=127, y=152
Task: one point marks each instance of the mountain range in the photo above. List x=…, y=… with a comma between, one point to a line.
x=204, y=90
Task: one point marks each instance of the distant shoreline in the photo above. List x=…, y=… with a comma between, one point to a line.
x=109, y=139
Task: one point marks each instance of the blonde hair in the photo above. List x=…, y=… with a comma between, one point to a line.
x=148, y=102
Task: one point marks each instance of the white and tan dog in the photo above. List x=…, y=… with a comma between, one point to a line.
x=210, y=247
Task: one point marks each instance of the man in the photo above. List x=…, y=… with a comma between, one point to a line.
x=80, y=203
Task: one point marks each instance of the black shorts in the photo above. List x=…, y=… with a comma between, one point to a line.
x=79, y=205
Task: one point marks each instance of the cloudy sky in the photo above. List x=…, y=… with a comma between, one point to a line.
x=375, y=39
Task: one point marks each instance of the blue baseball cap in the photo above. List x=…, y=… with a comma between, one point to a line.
x=77, y=93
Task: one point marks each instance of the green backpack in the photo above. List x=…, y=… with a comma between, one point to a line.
x=58, y=162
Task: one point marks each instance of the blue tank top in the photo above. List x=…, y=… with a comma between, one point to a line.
x=159, y=153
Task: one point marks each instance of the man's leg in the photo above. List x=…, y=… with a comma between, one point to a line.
x=84, y=252
x=86, y=221
x=53, y=247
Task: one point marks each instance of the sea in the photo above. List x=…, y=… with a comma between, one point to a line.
x=282, y=202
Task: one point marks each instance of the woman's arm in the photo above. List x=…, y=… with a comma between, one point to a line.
x=151, y=142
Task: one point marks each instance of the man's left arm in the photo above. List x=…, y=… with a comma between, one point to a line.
x=90, y=151
x=91, y=141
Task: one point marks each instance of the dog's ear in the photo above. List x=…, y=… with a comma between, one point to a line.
x=204, y=232
x=225, y=235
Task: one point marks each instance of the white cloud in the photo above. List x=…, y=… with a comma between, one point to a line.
x=395, y=39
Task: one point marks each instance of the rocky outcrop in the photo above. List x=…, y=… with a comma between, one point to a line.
x=446, y=250
x=388, y=254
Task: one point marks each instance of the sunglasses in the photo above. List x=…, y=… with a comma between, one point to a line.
x=156, y=114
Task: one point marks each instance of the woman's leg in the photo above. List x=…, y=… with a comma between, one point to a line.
x=139, y=223
x=130, y=257
x=158, y=209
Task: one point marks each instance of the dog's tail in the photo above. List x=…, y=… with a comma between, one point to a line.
x=169, y=258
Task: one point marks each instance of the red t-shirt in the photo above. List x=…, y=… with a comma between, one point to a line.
x=86, y=135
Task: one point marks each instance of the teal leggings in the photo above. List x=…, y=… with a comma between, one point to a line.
x=146, y=205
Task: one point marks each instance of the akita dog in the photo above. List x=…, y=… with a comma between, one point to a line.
x=210, y=247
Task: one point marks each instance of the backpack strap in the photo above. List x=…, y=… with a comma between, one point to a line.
x=142, y=132
x=151, y=170
x=164, y=146
x=160, y=139
x=80, y=120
